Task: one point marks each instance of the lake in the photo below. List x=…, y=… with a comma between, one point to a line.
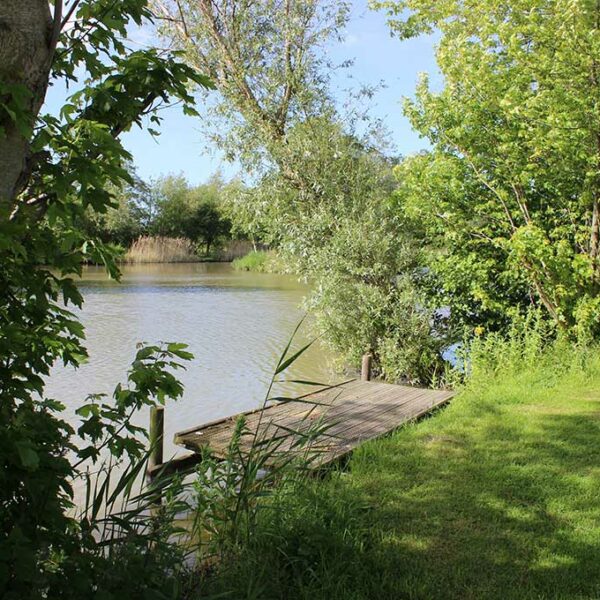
x=236, y=324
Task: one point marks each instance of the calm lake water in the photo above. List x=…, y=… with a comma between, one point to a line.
x=236, y=324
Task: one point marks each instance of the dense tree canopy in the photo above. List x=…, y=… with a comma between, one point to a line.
x=126, y=219
x=510, y=194
x=267, y=59
x=194, y=212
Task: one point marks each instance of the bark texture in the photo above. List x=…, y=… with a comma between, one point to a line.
x=26, y=47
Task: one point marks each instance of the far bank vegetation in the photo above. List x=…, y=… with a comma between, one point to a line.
x=262, y=261
x=160, y=249
x=157, y=249
x=169, y=220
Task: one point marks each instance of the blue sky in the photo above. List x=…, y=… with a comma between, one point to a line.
x=377, y=56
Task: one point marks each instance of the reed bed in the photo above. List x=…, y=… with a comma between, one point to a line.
x=234, y=249
x=157, y=249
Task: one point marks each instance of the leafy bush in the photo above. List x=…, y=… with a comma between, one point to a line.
x=45, y=550
x=56, y=169
x=358, y=317
x=368, y=293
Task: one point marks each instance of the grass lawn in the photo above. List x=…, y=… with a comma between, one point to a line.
x=496, y=496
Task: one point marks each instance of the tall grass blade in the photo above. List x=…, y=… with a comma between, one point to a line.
x=288, y=345
x=292, y=359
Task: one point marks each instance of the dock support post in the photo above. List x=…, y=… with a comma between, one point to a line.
x=157, y=431
x=365, y=373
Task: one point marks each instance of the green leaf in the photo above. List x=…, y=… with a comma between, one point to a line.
x=28, y=455
x=286, y=363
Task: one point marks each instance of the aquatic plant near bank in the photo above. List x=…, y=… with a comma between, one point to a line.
x=177, y=524
x=261, y=461
x=261, y=261
x=156, y=249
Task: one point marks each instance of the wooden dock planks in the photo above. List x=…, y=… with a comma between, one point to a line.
x=353, y=412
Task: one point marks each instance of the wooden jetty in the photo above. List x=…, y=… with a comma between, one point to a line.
x=346, y=415
x=350, y=413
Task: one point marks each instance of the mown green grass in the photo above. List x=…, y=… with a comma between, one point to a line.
x=496, y=496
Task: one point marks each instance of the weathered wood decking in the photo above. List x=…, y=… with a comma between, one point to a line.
x=352, y=412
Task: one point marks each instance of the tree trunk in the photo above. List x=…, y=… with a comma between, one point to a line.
x=595, y=226
x=27, y=39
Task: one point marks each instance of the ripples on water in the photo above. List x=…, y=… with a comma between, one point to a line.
x=236, y=325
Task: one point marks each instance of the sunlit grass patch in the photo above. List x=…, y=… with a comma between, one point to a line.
x=253, y=261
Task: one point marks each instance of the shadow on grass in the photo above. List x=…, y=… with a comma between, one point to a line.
x=505, y=506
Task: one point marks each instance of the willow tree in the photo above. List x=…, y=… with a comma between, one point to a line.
x=510, y=193
x=321, y=188
x=267, y=61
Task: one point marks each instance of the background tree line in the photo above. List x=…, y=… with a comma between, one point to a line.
x=167, y=206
